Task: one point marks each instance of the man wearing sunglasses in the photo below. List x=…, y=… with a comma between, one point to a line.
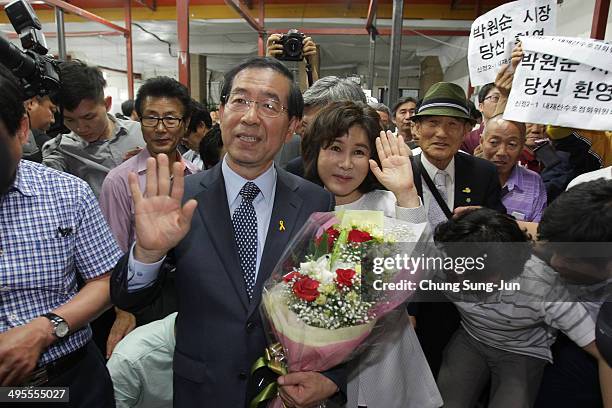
x=163, y=106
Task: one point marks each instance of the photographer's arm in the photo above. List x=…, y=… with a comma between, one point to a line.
x=310, y=55
x=274, y=48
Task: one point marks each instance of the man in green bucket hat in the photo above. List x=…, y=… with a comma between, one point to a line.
x=458, y=181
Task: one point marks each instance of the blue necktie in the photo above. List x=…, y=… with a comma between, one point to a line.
x=245, y=233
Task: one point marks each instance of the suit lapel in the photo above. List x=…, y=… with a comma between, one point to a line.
x=415, y=161
x=214, y=211
x=463, y=190
x=287, y=206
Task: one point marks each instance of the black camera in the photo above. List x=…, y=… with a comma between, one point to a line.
x=293, y=46
x=37, y=72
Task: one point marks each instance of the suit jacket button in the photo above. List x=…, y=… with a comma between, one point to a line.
x=242, y=375
x=251, y=326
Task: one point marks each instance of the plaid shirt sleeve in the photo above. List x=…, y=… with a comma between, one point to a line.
x=96, y=250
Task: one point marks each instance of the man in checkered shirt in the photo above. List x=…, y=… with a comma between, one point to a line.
x=55, y=254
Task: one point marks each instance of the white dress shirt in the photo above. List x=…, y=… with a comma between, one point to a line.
x=141, y=275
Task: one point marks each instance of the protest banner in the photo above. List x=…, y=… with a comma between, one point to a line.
x=595, y=53
x=553, y=90
x=494, y=34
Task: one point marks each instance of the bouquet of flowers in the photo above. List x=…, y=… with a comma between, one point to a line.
x=319, y=303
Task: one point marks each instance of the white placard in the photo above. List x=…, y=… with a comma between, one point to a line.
x=494, y=34
x=595, y=53
x=552, y=90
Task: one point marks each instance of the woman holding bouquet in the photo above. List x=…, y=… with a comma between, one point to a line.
x=350, y=156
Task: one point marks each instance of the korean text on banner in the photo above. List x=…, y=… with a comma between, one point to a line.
x=494, y=34
x=551, y=89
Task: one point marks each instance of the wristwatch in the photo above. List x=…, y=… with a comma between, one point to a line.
x=60, y=326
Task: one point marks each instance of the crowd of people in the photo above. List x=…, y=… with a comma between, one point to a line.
x=134, y=248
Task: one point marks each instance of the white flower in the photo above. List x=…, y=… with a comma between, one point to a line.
x=318, y=269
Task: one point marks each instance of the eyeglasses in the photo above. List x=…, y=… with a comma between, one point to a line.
x=169, y=122
x=493, y=98
x=268, y=108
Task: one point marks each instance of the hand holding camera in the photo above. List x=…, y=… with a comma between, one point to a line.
x=293, y=46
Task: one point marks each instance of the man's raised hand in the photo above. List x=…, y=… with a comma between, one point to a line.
x=161, y=220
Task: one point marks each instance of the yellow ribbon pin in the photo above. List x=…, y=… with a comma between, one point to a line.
x=281, y=225
x=467, y=190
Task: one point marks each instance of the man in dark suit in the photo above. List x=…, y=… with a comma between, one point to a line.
x=247, y=211
x=462, y=182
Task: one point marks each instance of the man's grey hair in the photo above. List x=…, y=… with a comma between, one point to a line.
x=333, y=89
x=381, y=107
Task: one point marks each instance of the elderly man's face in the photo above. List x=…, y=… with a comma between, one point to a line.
x=250, y=138
x=502, y=144
x=402, y=117
x=441, y=137
x=535, y=134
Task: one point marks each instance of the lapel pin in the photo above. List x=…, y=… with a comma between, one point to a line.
x=468, y=200
x=281, y=225
x=467, y=190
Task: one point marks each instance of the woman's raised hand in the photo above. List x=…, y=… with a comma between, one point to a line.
x=395, y=172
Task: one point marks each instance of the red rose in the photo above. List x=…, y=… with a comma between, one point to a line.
x=359, y=236
x=289, y=277
x=306, y=288
x=344, y=277
x=332, y=234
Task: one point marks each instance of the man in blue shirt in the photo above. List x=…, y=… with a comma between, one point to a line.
x=55, y=254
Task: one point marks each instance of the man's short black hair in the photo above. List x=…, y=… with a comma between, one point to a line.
x=474, y=113
x=485, y=231
x=12, y=108
x=581, y=214
x=402, y=101
x=199, y=115
x=210, y=147
x=484, y=91
x=164, y=87
x=80, y=81
x=127, y=107
x=295, y=100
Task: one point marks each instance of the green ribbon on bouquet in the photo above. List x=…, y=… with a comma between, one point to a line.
x=273, y=359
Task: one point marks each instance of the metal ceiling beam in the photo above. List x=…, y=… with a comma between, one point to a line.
x=128, y=48
x=600, y=19
x=85, y=14
x=478, y=8
x=395, y=52
x=381, y=31
x=182, y=30
x=150, y=4
x=61, y=32
x=13, y=36
x=241, y=9
x=371, y=14
x=261, y=47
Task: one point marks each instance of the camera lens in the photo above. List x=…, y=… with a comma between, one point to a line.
x=293, y=47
